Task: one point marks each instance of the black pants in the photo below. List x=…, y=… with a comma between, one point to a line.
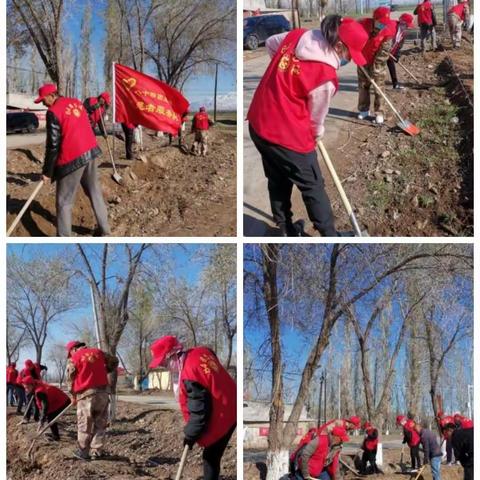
x=128, y=132
x=392, y=70
x=468, y=473
x=285, y=168
x=449, y=448
x=415, y=456
x=20, y=392
x=212, y=456
x=33, y=409
x=369, y=457
x=51, y=416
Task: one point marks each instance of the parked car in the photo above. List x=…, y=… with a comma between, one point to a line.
x=257, y=29
x=25, y=122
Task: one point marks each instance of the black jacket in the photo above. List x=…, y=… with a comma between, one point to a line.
x=199, y=405
x=462, y=442
x=52, y=150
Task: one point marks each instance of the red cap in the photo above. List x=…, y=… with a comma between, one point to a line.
x=457, y=416
x=401, y=420
x=366, y=425
x=28, y=380
x=448, y=420
x=73, y=344
x=354, y=36
x=29, y=364
x=466, y=423
x=381, y=14
x=45, y=90
x=341, y=433
x=162, y=348
x=357, y=421
x=106, y=97
x=406, y=18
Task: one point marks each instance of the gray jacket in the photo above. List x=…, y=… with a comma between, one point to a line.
x=431, y=448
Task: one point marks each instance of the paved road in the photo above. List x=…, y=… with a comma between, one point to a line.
x=165, y=403
x=25, y=139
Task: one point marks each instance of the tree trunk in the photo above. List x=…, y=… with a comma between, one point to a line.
x=277, y=464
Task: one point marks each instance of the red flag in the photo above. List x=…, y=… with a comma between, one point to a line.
x=144, y=100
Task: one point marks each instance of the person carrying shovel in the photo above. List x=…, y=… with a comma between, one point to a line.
x=381, y=32
x=96, y=108
x=287, y=114
x=50, y=401
x=71, y=149
x=87, y=379
x=207, y=396
x=404, y=23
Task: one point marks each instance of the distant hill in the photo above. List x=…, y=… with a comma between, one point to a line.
x=225, y=102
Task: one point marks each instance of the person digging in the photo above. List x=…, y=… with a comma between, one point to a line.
x=87, y=378
x=458, y=15
x=287, y=114
x=461, y=438
x=96, y=108
x=369, y=447
x=71, y=149
x=207, y=396
x=349, y=424
x=50, y=401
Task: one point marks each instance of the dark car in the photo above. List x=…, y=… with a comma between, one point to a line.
x=257, y=29
x=21, y=122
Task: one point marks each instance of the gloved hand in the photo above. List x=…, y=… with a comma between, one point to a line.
x=318, y=138
x=189, y=442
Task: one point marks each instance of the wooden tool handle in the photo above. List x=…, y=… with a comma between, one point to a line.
x=24, y=208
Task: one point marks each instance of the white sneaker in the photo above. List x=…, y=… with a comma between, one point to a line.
x=363, y=115
x=379, y=119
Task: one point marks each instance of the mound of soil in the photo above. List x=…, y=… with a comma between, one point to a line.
x=172, y=194
x=144, y=443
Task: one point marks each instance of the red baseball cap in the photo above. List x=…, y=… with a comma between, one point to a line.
x=357, y=421
x=354, y=36
x=466, y=423
x=381, y=14
x=29, y=364
x=106, y=97
x=366, y=425
x=161, y=349
x=401, y=420
x=73, y=344
x=45, y=90
x=406, y=18
x=341, y=433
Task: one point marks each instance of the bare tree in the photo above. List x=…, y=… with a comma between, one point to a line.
x=16, y=339
x=86, y=33
x=59, y=359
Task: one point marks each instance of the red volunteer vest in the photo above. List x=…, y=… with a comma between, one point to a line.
x=396, y=45
x=375, y=42
x=316, y=463
x=424, y=14
x=91, y=371
x=12, y=375
x=307, y=438
x=458, y=10
x=77, y=135
x=202, y=366
x=414, y=436
x=56, y=398
x=370, y=444
x=200, y=121
x=96, y=114
x=279, y=110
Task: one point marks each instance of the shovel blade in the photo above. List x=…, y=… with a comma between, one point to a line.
x=117, y=178
x=409, y=128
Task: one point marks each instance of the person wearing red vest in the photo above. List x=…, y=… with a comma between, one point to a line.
x=458, y=15
x=96, y=108
x=50, y=401
x=369, y=447
x=461, y=438
x=404, y=23
x=200, y=125
x=445, y=422
x=12, y=374
x=207, y=395
x=71, y=149
x=29, y=370
x=319, y=457
x=427, y=22
x=287, y=114
x=381, y=31
x=412, y=439
x=88, y=372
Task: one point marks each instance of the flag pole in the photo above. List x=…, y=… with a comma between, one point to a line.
x=113, y=110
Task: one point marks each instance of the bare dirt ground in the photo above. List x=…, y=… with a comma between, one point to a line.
x=173, y=194
x=144, y=443
x=392, y=469
x=422, y=185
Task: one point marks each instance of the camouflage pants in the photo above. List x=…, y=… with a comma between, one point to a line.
x=455, y=28
x=378, y=75
x=200, y=145
x=92, y=420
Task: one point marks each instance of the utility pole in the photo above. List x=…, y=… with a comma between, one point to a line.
x=215, y=95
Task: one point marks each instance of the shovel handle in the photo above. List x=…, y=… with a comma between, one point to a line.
x=26, y=410
x=178, y=476
x=341, y=191
x=108, y=145
x=404, y=68
x=420, y=472
x=378, y=89
x=24, y=208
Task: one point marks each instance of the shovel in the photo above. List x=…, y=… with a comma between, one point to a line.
x=115, y=175
x=341, y=191
x=405, y=68
x=420, y=472
x=178, y=476
x=348, y=467
x=407, y=126
x=26, y=410
x=24, y=208
x=40, y=433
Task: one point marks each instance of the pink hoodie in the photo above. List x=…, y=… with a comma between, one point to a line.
x=313, y=47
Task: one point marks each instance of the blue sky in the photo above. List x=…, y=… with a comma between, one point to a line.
x=60, y=331
x=198, y=90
